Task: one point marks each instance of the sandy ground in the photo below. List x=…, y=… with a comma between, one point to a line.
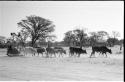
x=61, y=69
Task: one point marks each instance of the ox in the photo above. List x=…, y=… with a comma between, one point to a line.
x=51, y=51
x=73, y=50
x=12, y=51
x=102, y=50
x=40, y=50
x=60, y=50
x=29, y=50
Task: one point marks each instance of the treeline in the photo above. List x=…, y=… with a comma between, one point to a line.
x=39, y=30
x=80, y=38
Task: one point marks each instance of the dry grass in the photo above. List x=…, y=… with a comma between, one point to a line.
x=27, y=68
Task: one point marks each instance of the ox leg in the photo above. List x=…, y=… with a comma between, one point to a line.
x=25, y=53
x=7, y=53
x=100, y=53
x=42, y=54
x=103, y=54
x=46, y=54
x=106, y=55
x=72, y=54
x=92, y=54
x=58, y=54
x=49, y=55
x=54, y=55
x=33, y=54
x=69, y=54
x=61, y=54
x=78, y=54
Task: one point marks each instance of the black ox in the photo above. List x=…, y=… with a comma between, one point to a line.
x=102, y=50
x=50, y=51
x=73, y=50
x=40, y=50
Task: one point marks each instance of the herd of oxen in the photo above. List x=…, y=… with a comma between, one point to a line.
x=52, y=51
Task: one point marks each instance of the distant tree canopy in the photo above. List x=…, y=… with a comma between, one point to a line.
x=113, y=39
x=2, y=39
x=103, y=34
x=115, y=34
x=76, y=37
x=81, y=36
x=69, y=38
x=19, y=38
x=36, y=27
x=98, y=37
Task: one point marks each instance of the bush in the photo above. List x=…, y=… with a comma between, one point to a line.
x=3, y=45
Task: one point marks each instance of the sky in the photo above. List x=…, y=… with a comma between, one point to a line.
x=66, y=15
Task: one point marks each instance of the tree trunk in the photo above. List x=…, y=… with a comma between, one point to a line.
x=80, y=44
x=33, y=42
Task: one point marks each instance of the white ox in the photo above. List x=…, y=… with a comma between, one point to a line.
x=28, y=50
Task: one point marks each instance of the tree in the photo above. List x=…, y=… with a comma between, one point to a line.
x=2, y=39
x=76, y=37
x=115, y=34
x=37, y=27
x=93, y=38
x=69, y=38
x=102, y=34
x=14, y=36
x=114, y=38
x=112, y=41
x=98, y=37
x=81, y=36
x=50, y=39
x=121, y=41
x=22, y=37
x=13, y=39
